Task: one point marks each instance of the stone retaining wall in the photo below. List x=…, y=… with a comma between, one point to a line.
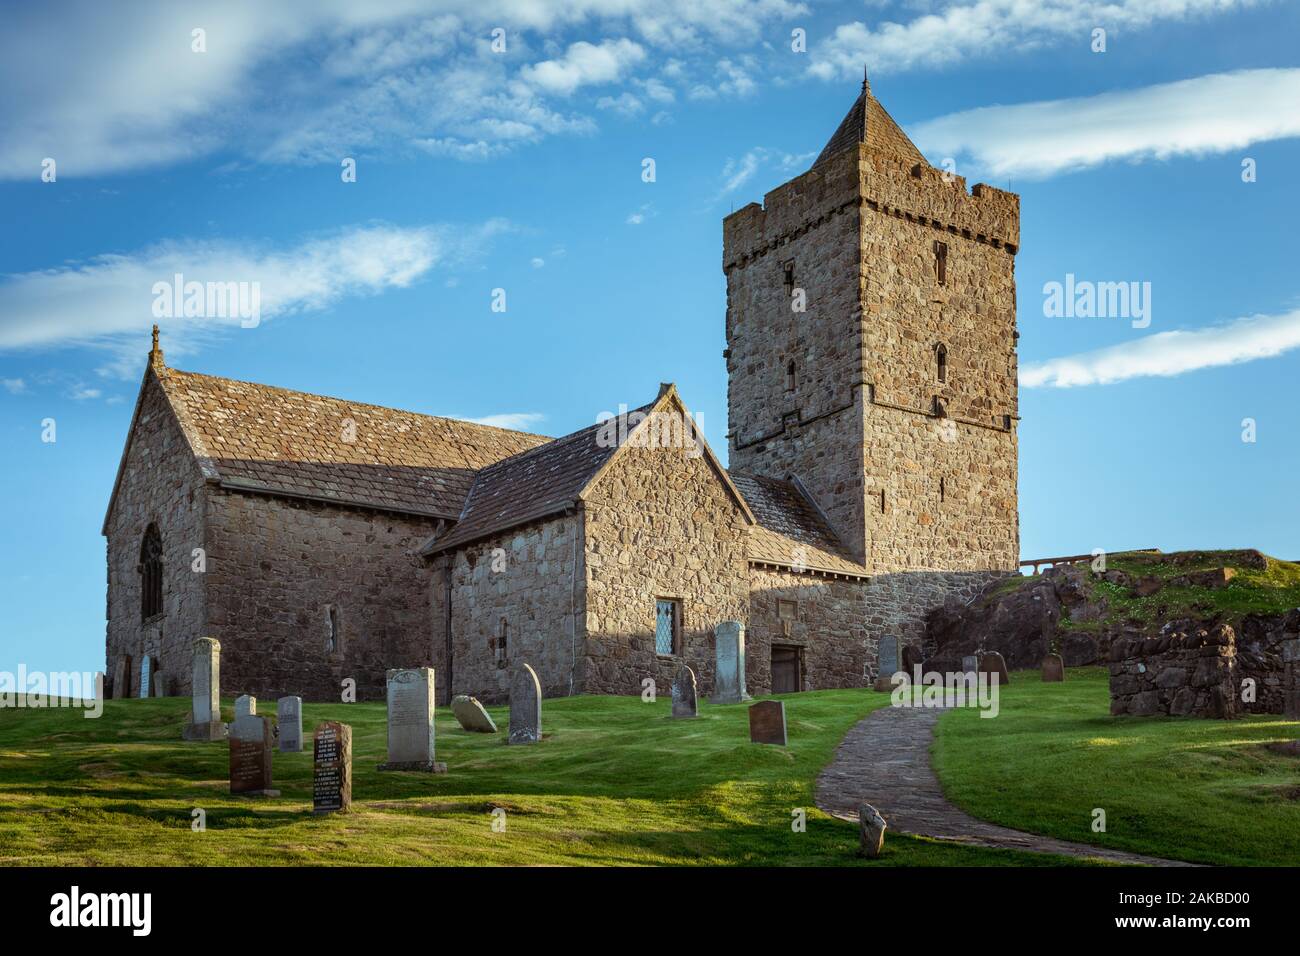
x=1180, y=674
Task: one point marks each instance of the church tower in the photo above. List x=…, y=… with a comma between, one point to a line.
x=871, y=349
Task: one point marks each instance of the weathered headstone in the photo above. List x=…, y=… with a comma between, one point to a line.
x=888, y=663
x=205, y=691
x=159, y=680
x=288, y=717
x=767, y=722
x=146, y=670
x=1291, y=678
x=119, y=678
x=251, y=745
x=1053, y=669
x=970, y=664
x=332, y=768
x=991, y=662
x=685, y=693
x=525, y=707
x=729, y=667
x=871, y=831
x=410, y=721
x=245, y=706
x=472, y=715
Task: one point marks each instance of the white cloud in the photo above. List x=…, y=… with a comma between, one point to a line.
x=108, y=301
x=537, y=262
x=625, y=104
x=1171, y=353
x=991, y=28
x=515, y=421
x=81, y=393
x=1207, y=114
x=14, y=386
x=584, y=64
x=638, y=216
x=738, y=172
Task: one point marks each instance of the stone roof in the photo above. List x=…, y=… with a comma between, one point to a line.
x=791, y=531
x=261, y=438
x=868, y=122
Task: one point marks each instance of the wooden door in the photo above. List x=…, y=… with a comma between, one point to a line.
x=785, y=669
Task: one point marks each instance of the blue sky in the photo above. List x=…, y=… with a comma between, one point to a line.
x=521, y=170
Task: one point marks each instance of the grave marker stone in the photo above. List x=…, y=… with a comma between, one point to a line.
x=332, y=768
x=767, y=722
x=871, y=831
x=525, y=707
x=685, y=693
x=245, y=706
x=146, y=668
x=288, y=717
x=251, y=746
x=729, y=668
x=1053, y=669
x=888, y=663
x=472, y=715
x=410, y=721
x=991, y=662
x=1291, y=678
x=205, y=692
x=970, y=664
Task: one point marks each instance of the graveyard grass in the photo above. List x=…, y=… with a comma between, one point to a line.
x=615, y=781
x=1205, y=791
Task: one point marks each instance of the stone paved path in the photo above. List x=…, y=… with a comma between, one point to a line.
x=885, y=761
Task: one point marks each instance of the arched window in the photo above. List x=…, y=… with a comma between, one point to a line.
x=941, y=361
x=151, y=581
x=790, y=378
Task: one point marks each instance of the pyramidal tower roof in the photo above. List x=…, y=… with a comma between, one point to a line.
x=868, y=122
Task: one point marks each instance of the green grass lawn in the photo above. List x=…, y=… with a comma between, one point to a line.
x=1207, y=791
x=614, y=782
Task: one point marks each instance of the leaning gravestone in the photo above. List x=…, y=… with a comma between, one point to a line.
x=245, y=706
x=767, y=722
x=471, y=715
x=685, y=695
x=251, y=745
x=288, y=717
x=992, y=663
x=729, y=667
x=146, y=671
x=410, y=721
x=119, y=679
x=205, y=689
x=888, y=663
x=332, y=768
x=1053, y=669
x=525, y=707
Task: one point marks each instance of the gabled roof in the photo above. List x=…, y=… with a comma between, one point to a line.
x=263, y=439
x=791, y=531
x=868, y=122
x=554, y=477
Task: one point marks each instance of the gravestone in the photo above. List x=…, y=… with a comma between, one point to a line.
x=1053, y=669
x=729, y=668
x=288, y=717
x=970, y=664
x=159, y=680
x=331, y=768
x=251, y=746
x=1291, y=678
x=205, y=692
x=685, y=693
x=888, y=663
x=146, y=670
x=410, y=721
x=245, y=706
x=525, y=707
x=119, y=679
x=767, y=722
x=991, y=662
x=471, y=715
x=871, y=831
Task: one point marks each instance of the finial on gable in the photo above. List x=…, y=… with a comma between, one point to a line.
x=866, y=83
x=155, y=353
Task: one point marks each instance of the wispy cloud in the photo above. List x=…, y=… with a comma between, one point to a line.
x=109, y=298
x=516, y=421
x=14, y=386
x=1207, y=114
x=1171, y=353
x=738, y=172
x=960, y=31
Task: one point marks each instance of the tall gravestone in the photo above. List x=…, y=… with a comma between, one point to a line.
x=685, y=693
x=525, y=707
x=146, y=672
x=767, y=722
x=245, y=706
x=251, y=745
x=332, y=768
x=888, y=663
x=119, y=678
x=288, y=717
x=410, y=721
x=205, y=692
x=729, y=663
x=1291, y=678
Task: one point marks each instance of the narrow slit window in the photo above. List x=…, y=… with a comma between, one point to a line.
x=882, y=501
x=333, y=631
x=791, y=378
x=941, y=361
x=941, y=262
x=942, y=489
x=151, y=582
x=503, y=641
x=787, y=270
x=668, y=627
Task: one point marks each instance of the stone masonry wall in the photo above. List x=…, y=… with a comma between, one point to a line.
x=830, y=628
x=274, y=567
x=161, y=484
x=1179, y=674
x=659, y=524
x=526, y=577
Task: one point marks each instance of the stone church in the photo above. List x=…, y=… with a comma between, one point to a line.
x=871, y=362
